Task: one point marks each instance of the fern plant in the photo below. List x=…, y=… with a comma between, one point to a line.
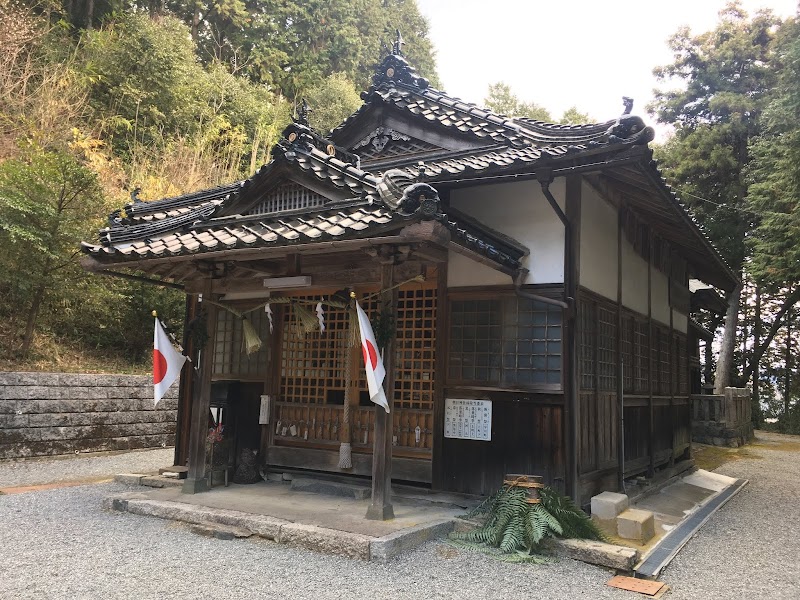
x=515, y=529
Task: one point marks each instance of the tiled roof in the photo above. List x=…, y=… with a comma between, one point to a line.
x=209, y=222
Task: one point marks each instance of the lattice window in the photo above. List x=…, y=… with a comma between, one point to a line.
x=415, y=321
x=683, y=365
x=628, y=368
x=230, y=357
x=287, y=197
x=588, y=337
x=664, y=375
x=641, y=360
x=606, y=349
x=313, y=365
x=512, y=342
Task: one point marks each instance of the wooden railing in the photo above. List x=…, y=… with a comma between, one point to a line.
x=316, y=424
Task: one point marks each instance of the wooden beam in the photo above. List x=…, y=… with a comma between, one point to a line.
x=196, y=479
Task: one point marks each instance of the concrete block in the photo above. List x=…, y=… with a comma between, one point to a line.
x=394, y=544
x=637, y=525
x=328, y=541
x=608, y=505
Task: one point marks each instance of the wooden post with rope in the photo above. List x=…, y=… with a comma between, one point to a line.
x=530, y=483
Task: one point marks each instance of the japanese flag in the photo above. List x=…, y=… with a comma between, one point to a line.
x=167, y=363
x=372, y=361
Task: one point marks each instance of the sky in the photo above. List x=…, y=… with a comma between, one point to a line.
x=563, y=53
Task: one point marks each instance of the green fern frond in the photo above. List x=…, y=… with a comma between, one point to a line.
x=549, y=520
x=574, y=522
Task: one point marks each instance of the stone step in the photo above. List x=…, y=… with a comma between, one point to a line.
x=608, y=505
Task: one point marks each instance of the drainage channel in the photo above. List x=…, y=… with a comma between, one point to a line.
x=663, y=553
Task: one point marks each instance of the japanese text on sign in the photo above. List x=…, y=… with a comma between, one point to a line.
x=468, y=419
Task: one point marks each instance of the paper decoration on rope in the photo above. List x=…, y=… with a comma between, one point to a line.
x=320, y=317
x=268, y=310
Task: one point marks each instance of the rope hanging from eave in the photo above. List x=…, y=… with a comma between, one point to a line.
x=307, y=320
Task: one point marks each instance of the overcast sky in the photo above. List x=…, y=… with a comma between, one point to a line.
x=560, y=53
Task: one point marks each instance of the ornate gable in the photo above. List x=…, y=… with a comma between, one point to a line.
x=385, y=142
x=287, y=197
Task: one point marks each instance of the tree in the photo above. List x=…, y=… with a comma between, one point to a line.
x=47, y=204
x=727, y=77
x=292, y=45
x=572, y=116
x=331, y=101
x=503, y=101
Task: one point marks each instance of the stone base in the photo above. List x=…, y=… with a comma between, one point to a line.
x=194, y=486
x=376, y=512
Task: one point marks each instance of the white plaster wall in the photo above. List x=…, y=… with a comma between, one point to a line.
x=634, y=279
x=660, y=285
x=680, y=322
x=599, y=223
x=519, y=210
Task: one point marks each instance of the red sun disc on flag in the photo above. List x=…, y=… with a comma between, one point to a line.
x=159, y=366
x=370, y=355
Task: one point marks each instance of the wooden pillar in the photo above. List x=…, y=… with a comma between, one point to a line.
x=672, y=375
x=620, y=366
x=440, y=374
x=572, y=255
x=651, y=469
x=196, y=480
x=380, y=509
x=186, y=389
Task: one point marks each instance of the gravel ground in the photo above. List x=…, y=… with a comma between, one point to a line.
x=81, y=467
x=751, y=547
x=61, y=544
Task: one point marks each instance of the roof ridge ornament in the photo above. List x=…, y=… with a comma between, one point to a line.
x=394, y=68
x=628, y=129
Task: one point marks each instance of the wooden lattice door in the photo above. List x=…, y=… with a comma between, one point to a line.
x=314, y=381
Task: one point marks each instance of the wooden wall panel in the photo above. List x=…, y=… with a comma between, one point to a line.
x=527, y=437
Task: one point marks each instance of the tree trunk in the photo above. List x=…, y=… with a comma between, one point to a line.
x=787, y=380
x=195, y=22
x=33, y=312
x=722, y=376
x=756, y=360
x=89, y=13
x=758, y=353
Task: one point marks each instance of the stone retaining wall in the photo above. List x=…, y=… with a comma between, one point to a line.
x=44, y=414
x=722, y=420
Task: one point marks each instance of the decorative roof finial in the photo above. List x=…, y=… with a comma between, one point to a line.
x=628, y=104
x=302, y=114
x=397, y=47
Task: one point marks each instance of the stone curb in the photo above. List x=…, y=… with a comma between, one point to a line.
x=311, y=537
x=394, y=544
x=596, y=553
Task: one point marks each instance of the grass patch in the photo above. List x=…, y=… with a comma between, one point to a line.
x=711, y=458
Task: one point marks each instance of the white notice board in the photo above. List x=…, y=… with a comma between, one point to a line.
x=468, y=419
